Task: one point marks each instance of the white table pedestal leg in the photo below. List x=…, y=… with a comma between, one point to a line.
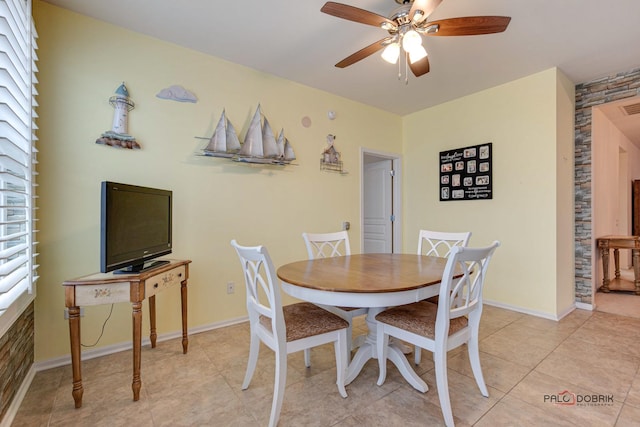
x=368, y=351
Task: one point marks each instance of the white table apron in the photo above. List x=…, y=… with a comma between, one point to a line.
x=375, y=302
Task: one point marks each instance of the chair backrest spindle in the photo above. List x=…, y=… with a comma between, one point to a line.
x=463, y=295
x=439, y=243
x=325, y=245
x=260, y=278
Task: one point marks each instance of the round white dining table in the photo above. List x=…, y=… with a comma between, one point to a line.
x=373, y=281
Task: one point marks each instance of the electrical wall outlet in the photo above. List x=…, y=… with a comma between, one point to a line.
x=66, y=313
x=231, y=287
x=346, y=225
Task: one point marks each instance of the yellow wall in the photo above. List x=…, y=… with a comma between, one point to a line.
x=82, y=62
x=565, y=187
x=531, y=270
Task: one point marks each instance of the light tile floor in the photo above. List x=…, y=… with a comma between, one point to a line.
x=526, y=361
x=623, y=303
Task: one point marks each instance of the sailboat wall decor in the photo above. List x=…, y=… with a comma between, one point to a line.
x=224, y=142
x=260, y=145
x=285, y=152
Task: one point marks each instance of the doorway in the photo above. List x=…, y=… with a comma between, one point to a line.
x=615, y=150
x=380, y=202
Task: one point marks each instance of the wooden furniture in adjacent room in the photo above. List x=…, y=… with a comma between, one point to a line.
x=109, y=288
x=616, y=243
x=635, y=207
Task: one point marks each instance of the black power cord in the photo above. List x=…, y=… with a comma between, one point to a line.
x=102, y=331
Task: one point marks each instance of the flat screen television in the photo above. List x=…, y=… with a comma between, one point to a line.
x=135, y=227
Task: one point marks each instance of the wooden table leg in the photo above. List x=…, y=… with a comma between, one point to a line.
x=636, y=269
x=74, y=335
x=616, y=262
x=137, y=347
x=605, y=269
x=152, y=320
x=183, y=298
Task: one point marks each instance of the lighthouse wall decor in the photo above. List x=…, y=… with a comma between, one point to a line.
x=118, y=136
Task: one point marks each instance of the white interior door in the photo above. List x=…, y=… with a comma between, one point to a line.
x=377, y=205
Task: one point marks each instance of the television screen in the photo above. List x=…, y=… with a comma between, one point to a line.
x=135, y=227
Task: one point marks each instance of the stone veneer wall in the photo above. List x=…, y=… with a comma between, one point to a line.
x=16, y=357
x=590, y=94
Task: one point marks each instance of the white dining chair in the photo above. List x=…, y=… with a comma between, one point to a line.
x=324, y=245
x=438, y=243
x=285, y=329
x=454, y=321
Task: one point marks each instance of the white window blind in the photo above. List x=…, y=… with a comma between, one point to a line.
x=18, y=268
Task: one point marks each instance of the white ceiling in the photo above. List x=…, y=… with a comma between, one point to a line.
x=586, y=39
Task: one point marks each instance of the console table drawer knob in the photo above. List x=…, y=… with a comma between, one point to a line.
x=165, y=280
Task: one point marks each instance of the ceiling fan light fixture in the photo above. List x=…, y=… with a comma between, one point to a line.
x=406, y=25
x=411, y=40
x=387, y=26
x=417, y=54
x=391, y=53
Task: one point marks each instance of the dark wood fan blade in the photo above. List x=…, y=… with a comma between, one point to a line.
x=354, y=14
x=419, y=68
x=470, y=25
x=362, y=53
x=426, y=6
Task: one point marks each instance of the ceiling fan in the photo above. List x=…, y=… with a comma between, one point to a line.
x=406, y=25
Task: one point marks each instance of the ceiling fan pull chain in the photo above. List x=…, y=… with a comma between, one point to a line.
x=406, y=68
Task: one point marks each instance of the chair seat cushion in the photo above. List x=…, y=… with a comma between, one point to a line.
x=305, y=319
x=418, y=318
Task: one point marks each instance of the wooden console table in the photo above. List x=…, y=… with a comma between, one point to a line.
x=619, y=242
x=108, y=288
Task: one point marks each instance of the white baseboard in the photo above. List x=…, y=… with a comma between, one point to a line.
x=567, y=311
x=585, y=306
x=12, y=411
x=91, y=354
x=532, y=312
x=115, y=348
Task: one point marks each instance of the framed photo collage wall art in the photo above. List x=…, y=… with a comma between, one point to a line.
x=466, y=173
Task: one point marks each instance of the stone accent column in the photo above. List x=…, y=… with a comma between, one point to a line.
x=16, y=357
